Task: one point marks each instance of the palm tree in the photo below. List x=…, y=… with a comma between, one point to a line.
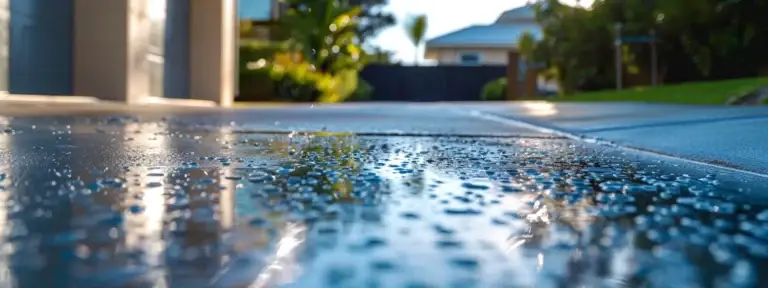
x=416, y=28
x=526, y=45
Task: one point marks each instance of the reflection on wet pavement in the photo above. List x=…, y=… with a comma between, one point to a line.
x=117, y=202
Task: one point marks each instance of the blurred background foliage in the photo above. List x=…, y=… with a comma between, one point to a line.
x=699, y=40
x=416, y=29
x=318, y=47
x=315, y=52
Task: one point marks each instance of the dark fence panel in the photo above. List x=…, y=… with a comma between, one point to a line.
x=429, y=83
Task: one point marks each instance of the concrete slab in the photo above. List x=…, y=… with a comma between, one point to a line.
x=371, y=118
x=593, y=117
x=721, y=135
x=739, y=144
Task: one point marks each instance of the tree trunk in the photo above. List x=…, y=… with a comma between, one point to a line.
x=416, y=55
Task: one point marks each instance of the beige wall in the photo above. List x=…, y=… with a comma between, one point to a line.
x=213, y=50
x=112, y=45
x=489, y=55
x=108, y=39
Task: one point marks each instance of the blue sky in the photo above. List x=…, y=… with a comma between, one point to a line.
x=444, y=16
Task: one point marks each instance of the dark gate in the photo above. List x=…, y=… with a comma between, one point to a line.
x=429, y=83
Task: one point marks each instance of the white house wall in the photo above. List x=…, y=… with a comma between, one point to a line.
x=488, y=56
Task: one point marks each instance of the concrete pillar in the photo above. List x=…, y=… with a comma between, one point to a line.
x=212, y=50
x=111, y=48
x=513, y=80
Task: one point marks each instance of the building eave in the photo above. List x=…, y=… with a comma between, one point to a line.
x=470, y=45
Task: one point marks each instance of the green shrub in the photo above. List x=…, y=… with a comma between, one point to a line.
x=295, y=88
x=295, y=83
x=363, y=91
x=251, y=51
x=254, y=84
x=325, y=62
x=495, y=90
x=291, y=89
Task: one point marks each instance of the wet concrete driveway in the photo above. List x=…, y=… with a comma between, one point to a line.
x=232, y=200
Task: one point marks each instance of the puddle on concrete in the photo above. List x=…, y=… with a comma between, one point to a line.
x=125, y=203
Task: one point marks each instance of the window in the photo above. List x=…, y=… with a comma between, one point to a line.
x=257, y=10
x=469, y=58
x=155, y=56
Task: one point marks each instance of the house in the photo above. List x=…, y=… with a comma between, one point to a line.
x=490, y=45
x=484, y=44
x=132, y=51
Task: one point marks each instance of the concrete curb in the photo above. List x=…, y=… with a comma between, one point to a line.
x=48, y=99
x=177, y=102
x=756, y=97
x=70, y=99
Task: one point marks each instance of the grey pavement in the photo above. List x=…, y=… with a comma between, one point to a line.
x=598, y=117
x=382, y=195
x=722, y=135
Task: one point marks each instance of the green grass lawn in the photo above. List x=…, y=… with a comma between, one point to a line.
x=703, y=93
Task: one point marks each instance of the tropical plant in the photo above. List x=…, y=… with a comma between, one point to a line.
x=324, y=33
x=323, y=56
x=416, y=29
x=373, y=18
x=526, y=45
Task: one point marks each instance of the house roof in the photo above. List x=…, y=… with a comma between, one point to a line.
x=503, y=33
x=495, y=35
x=524, y=13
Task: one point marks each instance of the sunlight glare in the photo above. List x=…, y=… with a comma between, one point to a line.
x=156, y=9
x=539, y=108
